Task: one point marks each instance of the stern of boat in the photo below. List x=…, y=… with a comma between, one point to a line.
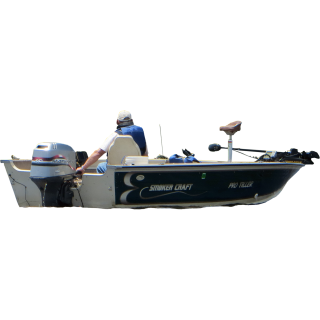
x=26, y=192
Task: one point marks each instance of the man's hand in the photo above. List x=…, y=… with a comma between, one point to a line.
x=91, y=160
x=80, y=170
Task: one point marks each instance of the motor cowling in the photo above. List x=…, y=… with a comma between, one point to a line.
x=53, y=168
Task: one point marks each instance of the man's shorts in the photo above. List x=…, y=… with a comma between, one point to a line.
x=102, y=167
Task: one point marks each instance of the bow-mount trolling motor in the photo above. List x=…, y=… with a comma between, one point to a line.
x=53, y=169
x=292, y=156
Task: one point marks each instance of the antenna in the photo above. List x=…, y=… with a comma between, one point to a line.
x=161, y=139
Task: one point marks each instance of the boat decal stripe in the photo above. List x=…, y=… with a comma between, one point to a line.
x=57, y=156
x=168, y=186
x=166, y=194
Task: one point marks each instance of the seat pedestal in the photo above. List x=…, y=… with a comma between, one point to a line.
x=230, y=149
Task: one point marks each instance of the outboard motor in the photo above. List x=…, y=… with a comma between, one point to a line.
x=53, y=168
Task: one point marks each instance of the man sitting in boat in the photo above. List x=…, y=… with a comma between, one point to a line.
x=125, y=127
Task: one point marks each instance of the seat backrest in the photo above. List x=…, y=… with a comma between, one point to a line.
x=122, y=146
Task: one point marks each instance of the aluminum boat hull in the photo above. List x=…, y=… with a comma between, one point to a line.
x=169, y=185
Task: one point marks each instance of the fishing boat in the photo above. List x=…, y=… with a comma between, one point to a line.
x=50, y=178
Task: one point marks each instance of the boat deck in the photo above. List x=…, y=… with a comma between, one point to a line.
x=25, y=164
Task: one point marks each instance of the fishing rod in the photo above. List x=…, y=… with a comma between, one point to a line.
x=161, y=139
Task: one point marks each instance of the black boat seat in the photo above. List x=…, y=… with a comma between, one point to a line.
x=231, y=128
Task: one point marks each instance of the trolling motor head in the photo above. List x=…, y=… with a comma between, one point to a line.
x=294, y=155
x=215, y=147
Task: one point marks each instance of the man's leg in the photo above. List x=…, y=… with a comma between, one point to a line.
x=102, y=167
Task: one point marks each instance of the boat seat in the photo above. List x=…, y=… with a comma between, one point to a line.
x=231, y=128
x=121, y=147
x=135, y=160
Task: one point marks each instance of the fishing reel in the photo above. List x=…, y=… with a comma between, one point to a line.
x=161, y=156
x=187, y=153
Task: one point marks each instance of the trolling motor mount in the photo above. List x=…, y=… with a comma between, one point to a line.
x=275, y=156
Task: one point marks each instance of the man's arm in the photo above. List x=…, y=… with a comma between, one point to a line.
x=96, y=155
